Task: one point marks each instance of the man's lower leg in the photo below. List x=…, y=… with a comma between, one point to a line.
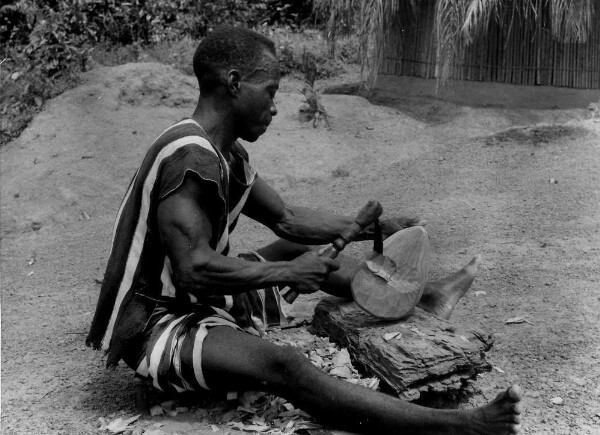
x=233, y=360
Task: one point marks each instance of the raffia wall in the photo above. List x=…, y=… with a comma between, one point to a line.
x=521, y=54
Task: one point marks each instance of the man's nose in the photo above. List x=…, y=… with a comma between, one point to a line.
x=273, y=110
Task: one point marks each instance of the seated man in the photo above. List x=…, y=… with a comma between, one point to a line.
x=180, y=311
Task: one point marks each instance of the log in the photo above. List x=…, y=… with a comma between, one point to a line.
x=430, y=355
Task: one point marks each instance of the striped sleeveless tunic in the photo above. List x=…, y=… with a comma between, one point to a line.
x=138, y=289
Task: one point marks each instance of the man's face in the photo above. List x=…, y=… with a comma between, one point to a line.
x=255, y=104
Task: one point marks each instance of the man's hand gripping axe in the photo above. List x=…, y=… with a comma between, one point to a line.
x=366, y=216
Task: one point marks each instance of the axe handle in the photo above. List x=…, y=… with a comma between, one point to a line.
x=367, y=215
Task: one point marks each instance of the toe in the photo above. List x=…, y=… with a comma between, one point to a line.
x=515, y=419
x=515, y=394
x=516, y=408
x=514, y=429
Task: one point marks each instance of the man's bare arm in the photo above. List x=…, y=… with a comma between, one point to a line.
x=297, y=224
x=307, y=226
x=185, y=230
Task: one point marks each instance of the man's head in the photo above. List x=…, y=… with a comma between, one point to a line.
x=229, y=48
x=240, y=67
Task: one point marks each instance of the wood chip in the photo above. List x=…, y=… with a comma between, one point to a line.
x=515, y=320
x=120, y=424
x=392, y=335
x=250, y=427
x=341, y=372
x=317, y=360
x=342, y=358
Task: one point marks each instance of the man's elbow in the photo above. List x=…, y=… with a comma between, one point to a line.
x=282, y=226
x=191, y=274
x=281, y=229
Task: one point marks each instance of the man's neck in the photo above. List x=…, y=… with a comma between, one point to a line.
x=216, y=124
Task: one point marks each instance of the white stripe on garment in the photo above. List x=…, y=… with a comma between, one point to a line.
x=137, y=243
x=197, y=356
x=218, y=321
x=222, y=243
x=222, y=313
x=258, y=325
x=142, y=368
x=177, y=364
x=158, y=350
x=176, y=358
x=233, y=214
x=228, y=302
x=263, y=302
x=168, y=289
x=282, y=317
x=165, y=318
x=120, y=212
x=178, y=389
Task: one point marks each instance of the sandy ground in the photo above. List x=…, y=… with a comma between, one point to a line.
x=518, y=184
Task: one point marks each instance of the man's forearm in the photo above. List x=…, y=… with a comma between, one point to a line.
x=218, y=274
x=308, y=226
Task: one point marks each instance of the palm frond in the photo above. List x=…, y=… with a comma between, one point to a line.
x=376, y=29
x=478, y=16
x=571, y=20
x=449, y=21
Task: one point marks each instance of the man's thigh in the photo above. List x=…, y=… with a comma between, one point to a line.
x=235, y=361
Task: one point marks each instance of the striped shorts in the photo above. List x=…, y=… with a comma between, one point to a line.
x=170, y=355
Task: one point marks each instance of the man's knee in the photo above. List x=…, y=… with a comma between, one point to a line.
x=286, y=366
x=233, y=359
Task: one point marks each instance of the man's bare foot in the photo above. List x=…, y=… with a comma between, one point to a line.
x=499, y=417
x=440, y=297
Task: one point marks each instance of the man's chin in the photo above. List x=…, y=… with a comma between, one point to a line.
x=253, y=136
x=249, y=138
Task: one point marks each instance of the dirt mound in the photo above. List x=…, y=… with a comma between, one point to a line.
x=153, y=84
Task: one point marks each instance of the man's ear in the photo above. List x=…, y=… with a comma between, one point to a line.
x=234, y=78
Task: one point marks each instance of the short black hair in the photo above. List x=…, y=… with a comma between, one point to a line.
x=229, y=47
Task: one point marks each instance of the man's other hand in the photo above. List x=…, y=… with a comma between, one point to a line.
x=309, y=271
x=393, y=225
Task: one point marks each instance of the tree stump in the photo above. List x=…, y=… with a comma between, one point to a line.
x=419, y=354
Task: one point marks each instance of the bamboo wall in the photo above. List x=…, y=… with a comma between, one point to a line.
x=521, y=54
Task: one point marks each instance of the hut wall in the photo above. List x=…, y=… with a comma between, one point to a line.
x=518, y=54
